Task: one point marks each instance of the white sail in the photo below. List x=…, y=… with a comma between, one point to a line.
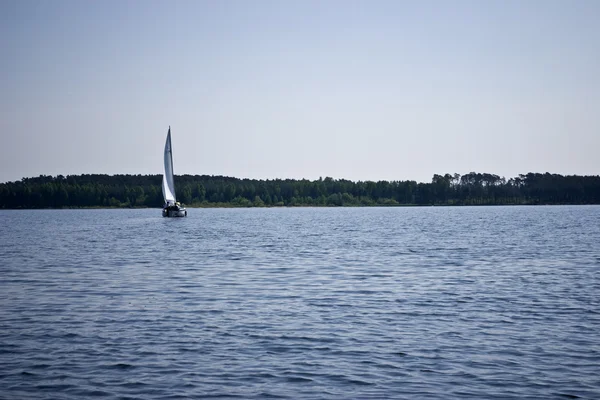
x=168, y=184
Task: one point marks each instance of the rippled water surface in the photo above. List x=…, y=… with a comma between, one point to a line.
x=436, y=303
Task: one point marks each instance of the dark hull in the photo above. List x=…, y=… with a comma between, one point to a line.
x=182, y=212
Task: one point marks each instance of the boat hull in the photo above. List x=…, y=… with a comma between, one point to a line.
x=174, y=213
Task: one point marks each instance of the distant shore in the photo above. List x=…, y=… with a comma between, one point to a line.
x=203, y=191
x=233, y=206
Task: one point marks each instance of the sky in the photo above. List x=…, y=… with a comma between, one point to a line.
x=359, y=90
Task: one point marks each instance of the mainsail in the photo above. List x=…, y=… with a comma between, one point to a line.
x=168, y=184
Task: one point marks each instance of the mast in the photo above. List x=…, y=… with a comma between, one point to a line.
x=171, y=151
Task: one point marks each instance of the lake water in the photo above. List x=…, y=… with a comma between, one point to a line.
x=428, y=302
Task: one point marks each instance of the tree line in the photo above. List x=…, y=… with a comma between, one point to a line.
x=74, y=191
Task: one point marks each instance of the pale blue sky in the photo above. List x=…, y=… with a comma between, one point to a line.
x=362, y=90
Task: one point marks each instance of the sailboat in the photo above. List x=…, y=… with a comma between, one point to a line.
x=172, y=207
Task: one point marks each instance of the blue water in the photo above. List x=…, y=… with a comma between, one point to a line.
x=415, y=303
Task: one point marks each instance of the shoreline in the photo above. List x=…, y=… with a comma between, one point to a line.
x=309, y=206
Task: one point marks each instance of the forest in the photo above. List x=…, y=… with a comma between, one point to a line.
x=91, y=190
